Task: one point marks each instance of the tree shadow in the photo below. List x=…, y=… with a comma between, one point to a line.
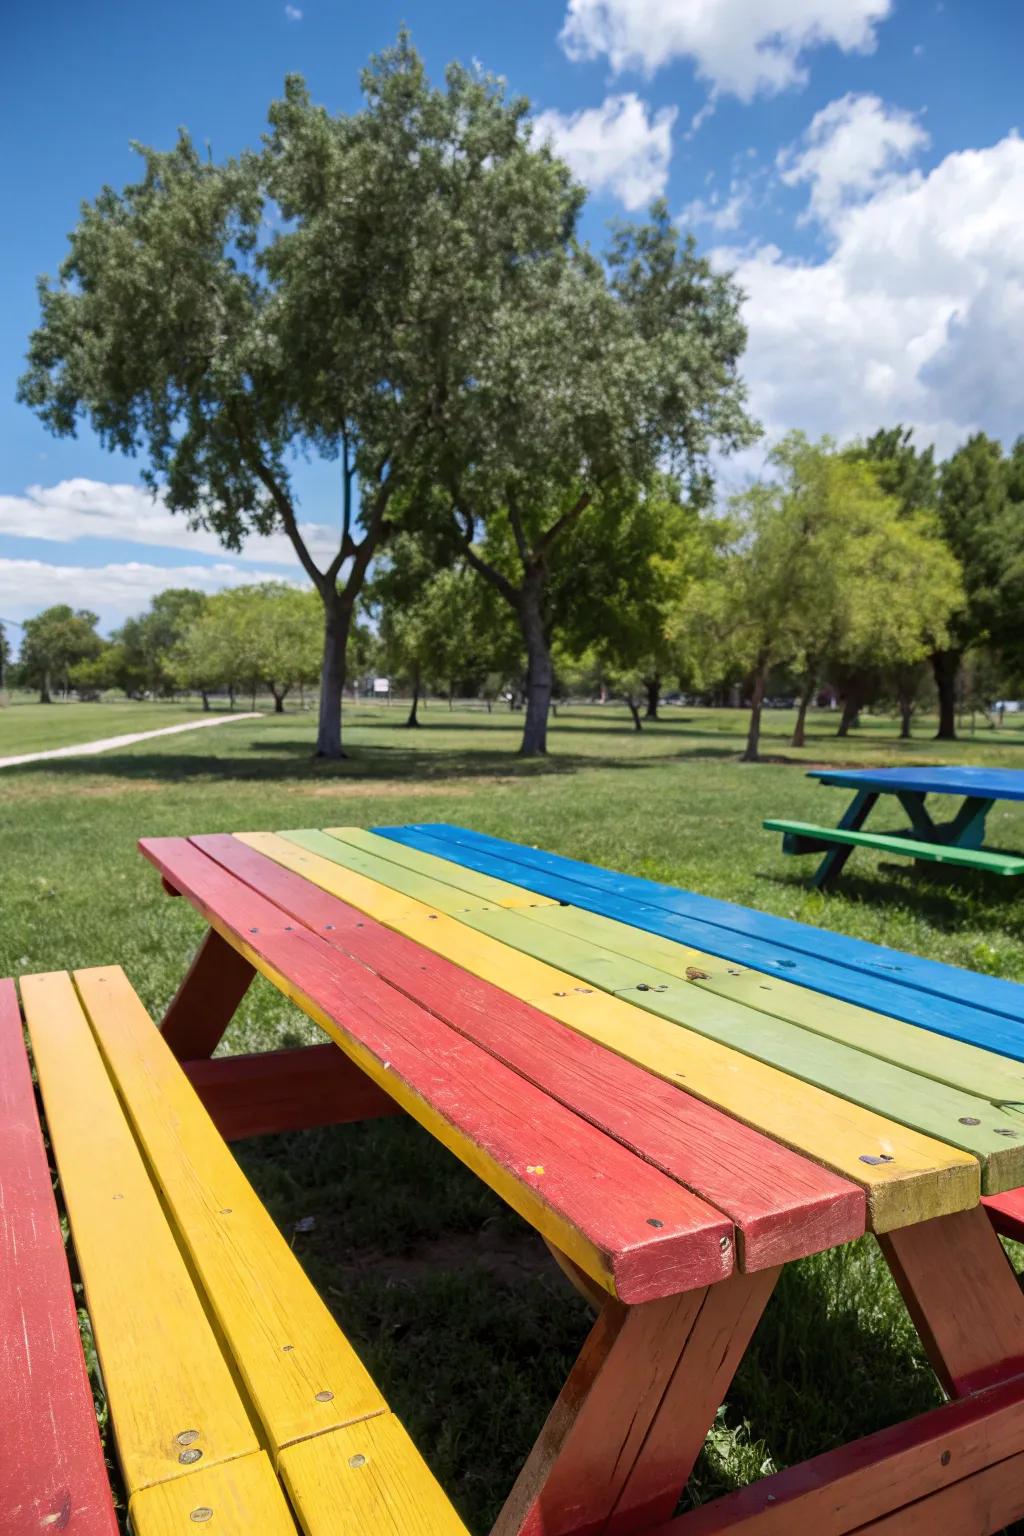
x=945, y=898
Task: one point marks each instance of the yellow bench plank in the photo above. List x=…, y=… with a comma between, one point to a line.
x=369, y=1479
x=925, y=1178
x=298, y=1369
x=149, y=1324
x=236, y=1498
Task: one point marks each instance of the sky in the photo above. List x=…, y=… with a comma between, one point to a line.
x=856, y=164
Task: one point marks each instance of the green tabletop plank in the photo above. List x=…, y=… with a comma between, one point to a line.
x=995, y=1137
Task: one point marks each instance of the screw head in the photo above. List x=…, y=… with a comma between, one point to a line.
x=324, y=1397
x=188, y=1457
x=969, y=1120
x=1004, y=1130
x=652, y=1221
x=357, y=1461
x=202, y=1514
x=187, y=1437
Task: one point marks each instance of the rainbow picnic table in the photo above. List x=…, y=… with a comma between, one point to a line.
x=956, y=842
x=680, y=1095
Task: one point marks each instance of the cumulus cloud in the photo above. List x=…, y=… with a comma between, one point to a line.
x=850, y=148
x=113, y=591
x=915, y=315
x=293, y=13
x=744, y=47
x=94, y=509
x=723, y=213
x=618, y=147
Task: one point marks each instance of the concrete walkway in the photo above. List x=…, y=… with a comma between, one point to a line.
x=109, y=743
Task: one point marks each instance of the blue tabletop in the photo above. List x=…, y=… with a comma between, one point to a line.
x=988, y=783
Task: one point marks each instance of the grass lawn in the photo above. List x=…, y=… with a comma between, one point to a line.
x=27, y=726
x=454, y=1305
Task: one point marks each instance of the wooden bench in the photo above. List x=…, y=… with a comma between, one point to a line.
x=234, y=1396
x=804, y=837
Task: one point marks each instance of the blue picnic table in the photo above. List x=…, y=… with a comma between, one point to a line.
x=957, y=840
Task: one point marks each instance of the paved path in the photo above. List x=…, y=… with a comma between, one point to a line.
x=108, y=743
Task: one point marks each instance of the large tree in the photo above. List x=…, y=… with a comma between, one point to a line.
x=578, y=377
x=147, y=642
x=225, y=319
x=53, y=642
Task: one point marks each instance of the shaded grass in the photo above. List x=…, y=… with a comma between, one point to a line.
x=449, y=1297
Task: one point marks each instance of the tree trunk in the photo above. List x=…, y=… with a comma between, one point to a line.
x=44, y=690
x=906, y=716
x=945, y=666
x=414, y=718
x=278, y=700
x=540, y=675
x=634, y=709
x=653, y=687
x=750, y=754
x=851, y=710
x=800, y=728
x=337, y=623
x=206, y=700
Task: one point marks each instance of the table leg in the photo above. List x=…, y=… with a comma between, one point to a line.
x=853, y=819
x=965, y=830
x=962, y=1293
x=621, y=1441
x=205, y=1003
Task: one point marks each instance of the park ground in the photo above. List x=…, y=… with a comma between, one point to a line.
x=450, y=1299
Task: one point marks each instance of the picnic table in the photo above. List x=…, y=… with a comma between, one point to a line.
x=957, y=841
x=681, y=1096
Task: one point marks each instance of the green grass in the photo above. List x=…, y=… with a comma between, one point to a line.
x=453, y=1303
x=32, y=727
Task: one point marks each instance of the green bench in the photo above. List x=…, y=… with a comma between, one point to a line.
x=805, y=837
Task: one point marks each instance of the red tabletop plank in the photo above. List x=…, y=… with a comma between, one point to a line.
x=654, y=1237
x=52, y=1475
x=783, y=1205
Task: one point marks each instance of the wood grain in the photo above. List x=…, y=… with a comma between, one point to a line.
x=236, y=1498
x=148, y=1322
x=783, y=1205
x=274, y=1091
x=205, y=1003
x=297, y=1368
x=595, y=1200
x=52, y=1474
x=907, y=1178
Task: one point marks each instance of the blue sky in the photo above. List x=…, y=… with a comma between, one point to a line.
x=854, y=161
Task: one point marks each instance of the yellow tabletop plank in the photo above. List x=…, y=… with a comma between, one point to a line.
x=149, y=1323
x=298, y=1369
x=368, y=1479
x=925, y=1177
x=236, y=1498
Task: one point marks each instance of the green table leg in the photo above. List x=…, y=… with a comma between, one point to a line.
x=966, y=830
x=854, y=817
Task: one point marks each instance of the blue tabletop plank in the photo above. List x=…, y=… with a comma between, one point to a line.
x=983, y=1010
x=986, y=783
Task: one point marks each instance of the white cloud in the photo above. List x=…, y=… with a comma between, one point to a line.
x=113, y=591
x=743, y=47
x=915, y=315
x=721, y=213
x=851, y=147
x=293, y=13
x=93, y=509
x=618, y=147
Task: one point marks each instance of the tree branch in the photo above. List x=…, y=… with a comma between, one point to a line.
x=286, y=512
x=560, y=524
x=486, y=570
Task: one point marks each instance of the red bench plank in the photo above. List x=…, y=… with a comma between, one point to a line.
x=1006, y=1213
x=52, y=1475
x=852, y=1488
x=784, y=1206
x=647, y=1234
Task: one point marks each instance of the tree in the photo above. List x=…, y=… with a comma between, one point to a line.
x=264, y=634
x=822, y=570
x=185, y=332
x=53, y=642
x=984, y=531
x=624, y=576
x=148, y=642
x=580, y=377
x=5, y=656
